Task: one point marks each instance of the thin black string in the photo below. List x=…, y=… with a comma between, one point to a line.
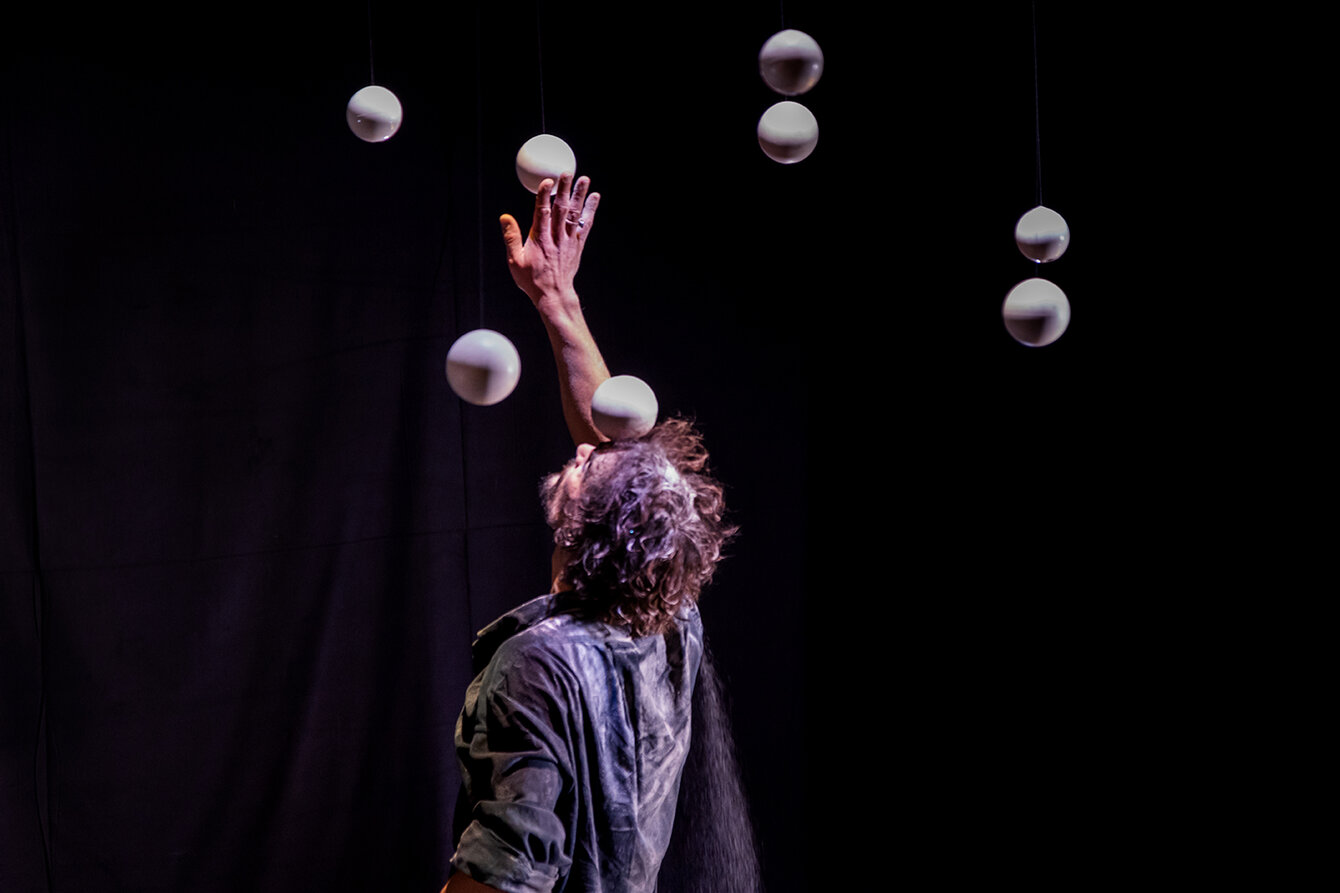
x=1037, y=114
x=43, y=746
x=479, y=168
x=539, y=57
x=467, y=529
x=372, y=78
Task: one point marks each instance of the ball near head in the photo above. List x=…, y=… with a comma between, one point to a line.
x=788, y=132
x=1042, y=235
x=1036, y=312
x=544, y=156
x=374, y=114
x=483, y=367
x=624, y=407
x=791, y=62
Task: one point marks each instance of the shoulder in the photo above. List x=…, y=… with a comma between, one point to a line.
x=551, y=653
x=563, y=650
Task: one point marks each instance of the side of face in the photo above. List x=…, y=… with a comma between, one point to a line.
x=564, y=485
x=556, y=492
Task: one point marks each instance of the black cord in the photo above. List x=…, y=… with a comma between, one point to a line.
x=372, y=76
x=539, y=58
x=41, y=610
x=1037, y=114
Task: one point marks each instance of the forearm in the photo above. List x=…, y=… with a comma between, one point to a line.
x=581, y=368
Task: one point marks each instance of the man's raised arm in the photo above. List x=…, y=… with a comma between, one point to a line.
x=544, y=266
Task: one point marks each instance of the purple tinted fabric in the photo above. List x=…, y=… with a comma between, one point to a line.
x=571, y=742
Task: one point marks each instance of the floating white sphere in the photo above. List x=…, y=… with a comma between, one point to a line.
x=624, y=407
x=791, y=62
x=1036, y=312
x=1042, y=235
x=483, y=367
x=374, y=114
x=788, y=132
x=544, y=156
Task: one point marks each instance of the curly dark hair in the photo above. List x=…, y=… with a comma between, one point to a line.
x=644, y=534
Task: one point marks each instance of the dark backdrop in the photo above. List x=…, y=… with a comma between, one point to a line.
x=247, y=531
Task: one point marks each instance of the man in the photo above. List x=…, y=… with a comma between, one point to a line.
x=574, y=736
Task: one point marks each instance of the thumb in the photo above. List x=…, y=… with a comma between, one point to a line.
x=511, y=233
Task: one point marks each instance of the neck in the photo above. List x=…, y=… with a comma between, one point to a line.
x=557, y=565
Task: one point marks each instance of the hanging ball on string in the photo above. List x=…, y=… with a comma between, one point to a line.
x=374, y=114
x=544, y=156
x=791, y=62
x=1042, y=235
x=624, y=407
x=788, y=132
x=1036, y=312
x=483, y=367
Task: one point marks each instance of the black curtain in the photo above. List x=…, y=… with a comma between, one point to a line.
x=247, y=532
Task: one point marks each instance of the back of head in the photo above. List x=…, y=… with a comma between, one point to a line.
x=645, y=533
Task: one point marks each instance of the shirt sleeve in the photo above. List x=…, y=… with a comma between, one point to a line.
x=513, y=741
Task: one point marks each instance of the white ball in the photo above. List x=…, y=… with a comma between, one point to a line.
x=374, y=114
x=1036, y=312
x=791, y=62
x=624, y=407
x=1042, y=235
x=483, y=367
x=788, y=132
x=544, y=156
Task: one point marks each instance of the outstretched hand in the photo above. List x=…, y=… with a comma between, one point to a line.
x=545, y=263
x=544, y=266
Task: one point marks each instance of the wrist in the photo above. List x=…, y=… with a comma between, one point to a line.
x=557, y=303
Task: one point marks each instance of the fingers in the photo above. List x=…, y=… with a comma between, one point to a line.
x=576, y=198
x=579, y=193
x=568, y=205
x=568, y=213
x=563, y=192
x=588, y=215
x=578, y=217
x=540, y=228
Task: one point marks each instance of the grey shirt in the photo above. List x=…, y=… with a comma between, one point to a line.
x=571, y=743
